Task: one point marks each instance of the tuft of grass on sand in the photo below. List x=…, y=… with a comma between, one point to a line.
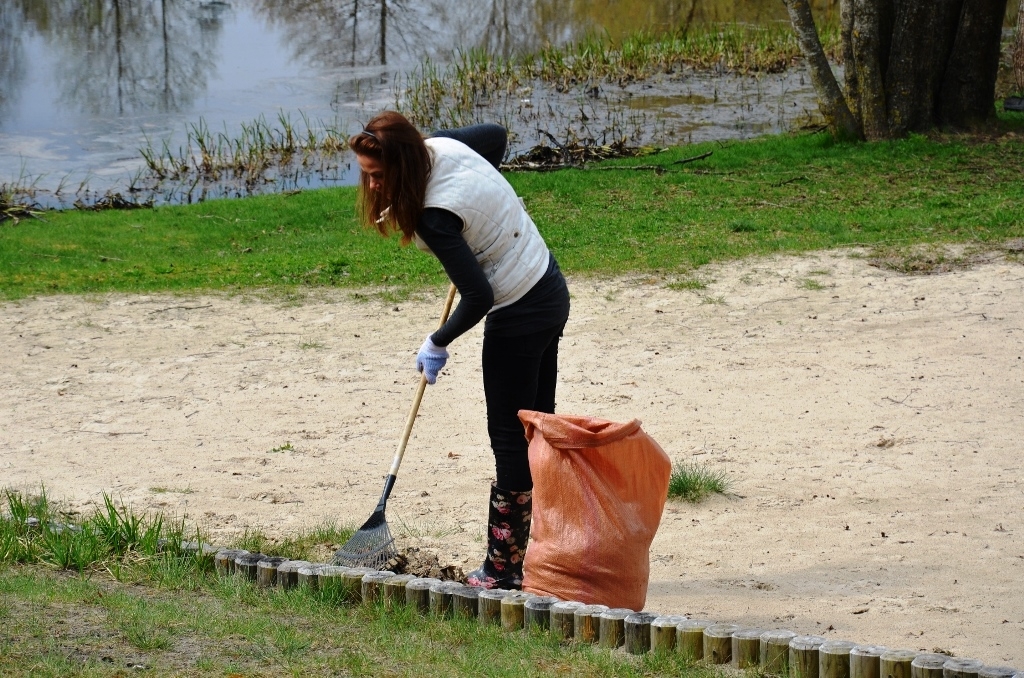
x=694, y=482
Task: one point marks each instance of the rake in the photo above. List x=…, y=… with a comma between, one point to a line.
x=372, y=545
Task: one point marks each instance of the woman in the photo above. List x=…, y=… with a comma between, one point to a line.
x=445, y=193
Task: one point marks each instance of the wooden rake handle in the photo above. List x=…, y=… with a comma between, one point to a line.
x=419, y=393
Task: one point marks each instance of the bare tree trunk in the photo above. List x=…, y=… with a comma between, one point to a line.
x=910, y=65
x=868, y=60
x=830, y=97
x=923, y=35
x=1018, y=52
x=966, y=97
x=850, y=70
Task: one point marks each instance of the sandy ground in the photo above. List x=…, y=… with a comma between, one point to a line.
x=870, y=423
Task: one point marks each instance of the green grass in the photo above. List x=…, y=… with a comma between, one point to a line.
x=782, y=194
x=55, y=624
x=694, y=482
x=130, y=605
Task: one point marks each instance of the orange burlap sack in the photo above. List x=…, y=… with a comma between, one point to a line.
x=598, y=491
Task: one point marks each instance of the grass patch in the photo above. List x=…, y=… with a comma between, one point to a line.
x=811, y=284
x=143, y=604
x=694, y=482
x=891, y=196
x=60, y=625
x=688, y=284
x=171, y=490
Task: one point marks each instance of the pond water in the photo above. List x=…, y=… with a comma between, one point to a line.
x=85, y=84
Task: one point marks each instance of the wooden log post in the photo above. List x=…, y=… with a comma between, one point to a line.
x=834, y=659
x=997, y=672
x=537, y=612
x=563, y=619
x=199, y=550
x=587, y=623
x=466, y=602
x=612, y=627
x=224, y=561
x=865, y=661
x=928, y=665
x=718, y=643
x=489, y=605
x=309, y=575
x=245, y=565
x=690, y=638
x=341, y=584
x=513, y=610
x=288, y=573
x=803, y=656
x=896, y=663
x=637, y=632
x=372, y=586
x=961, y=667
x=746, y=648
x=417, y=593
x=773, y=651
x=441, y=598
x=663, y=632
x=394, y=590
x=266, y=571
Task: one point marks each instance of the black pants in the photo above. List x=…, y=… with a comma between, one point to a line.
x=519, y=374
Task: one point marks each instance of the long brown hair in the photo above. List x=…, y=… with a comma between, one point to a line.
x=398, y=146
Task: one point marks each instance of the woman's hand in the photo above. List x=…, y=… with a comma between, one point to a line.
x=430, y=360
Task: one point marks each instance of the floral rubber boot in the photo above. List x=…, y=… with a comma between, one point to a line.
x=508, y=531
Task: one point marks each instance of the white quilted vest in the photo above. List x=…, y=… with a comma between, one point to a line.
x=497, y=228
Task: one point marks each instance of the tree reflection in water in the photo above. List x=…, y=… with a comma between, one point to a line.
x=143, y=56
x=118, y=71
x=12, y=56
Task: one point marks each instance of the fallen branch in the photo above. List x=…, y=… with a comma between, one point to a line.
x=187, y=308
x=789, y=181
x=693, y=159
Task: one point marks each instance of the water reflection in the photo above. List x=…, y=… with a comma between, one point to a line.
x=85, y=83
x=338, y=33
x=12, y=55
x=143, y=56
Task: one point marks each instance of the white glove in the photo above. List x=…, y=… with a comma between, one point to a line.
x=431, y=359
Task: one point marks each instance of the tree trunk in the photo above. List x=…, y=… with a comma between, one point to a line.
x=910, y=65
x=830, y=97
x=922, y=39
x=1018, y=52
x=968, y=88
x=849, y=72
x=869, y=59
